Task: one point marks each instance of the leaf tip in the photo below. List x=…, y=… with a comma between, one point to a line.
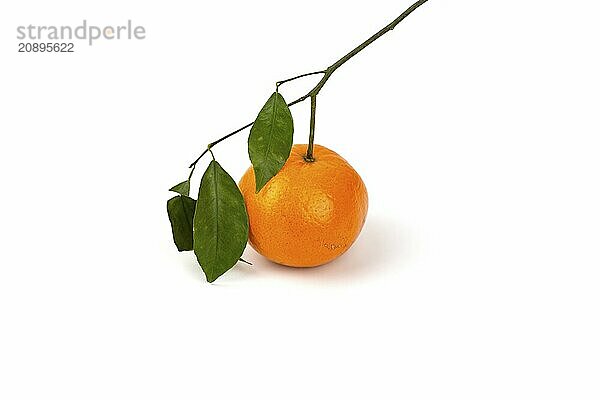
x=182, y=188
x=245, y=262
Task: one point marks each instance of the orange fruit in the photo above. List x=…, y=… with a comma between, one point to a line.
x=310, y=212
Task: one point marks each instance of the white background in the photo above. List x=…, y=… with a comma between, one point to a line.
x=475, y=125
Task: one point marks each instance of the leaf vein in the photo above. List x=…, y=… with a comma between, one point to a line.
x=272, y=126
x=216, y=194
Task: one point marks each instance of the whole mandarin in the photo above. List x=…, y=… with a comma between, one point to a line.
x=310, y=212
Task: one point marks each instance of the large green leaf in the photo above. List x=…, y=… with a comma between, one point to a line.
x=220, y=223
x=270, y=140
x=181, y=214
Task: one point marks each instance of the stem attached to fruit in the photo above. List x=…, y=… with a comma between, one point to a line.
x=311, y=137
x=326, y=75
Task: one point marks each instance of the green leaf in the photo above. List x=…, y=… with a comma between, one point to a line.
x=270, y=140
x=181, y=214
x=220, y=223
x=182, y=188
